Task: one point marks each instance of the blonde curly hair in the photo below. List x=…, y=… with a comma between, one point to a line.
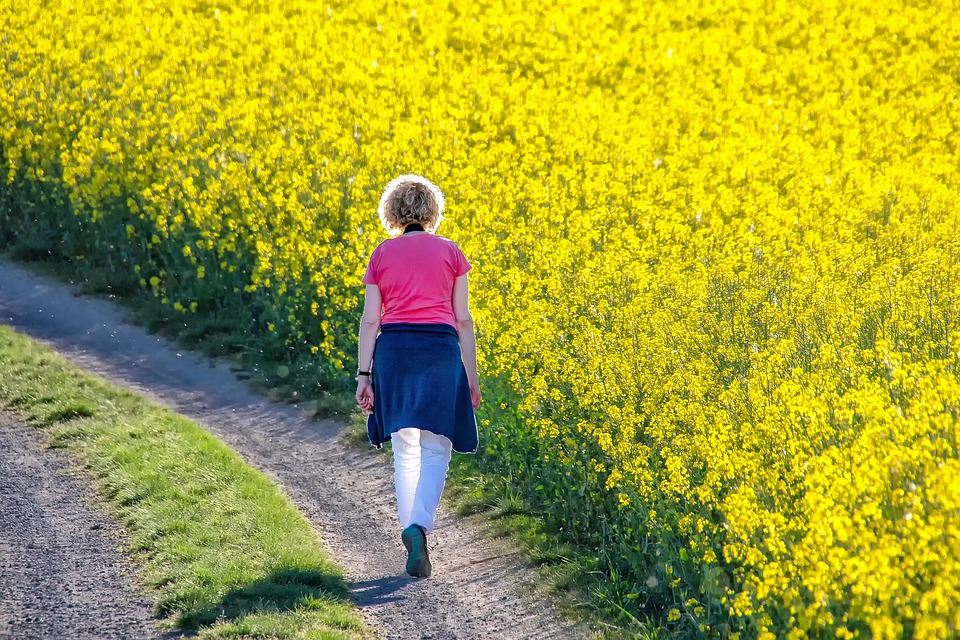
x=410, y=199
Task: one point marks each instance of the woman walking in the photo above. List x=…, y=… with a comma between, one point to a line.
x=418, y=379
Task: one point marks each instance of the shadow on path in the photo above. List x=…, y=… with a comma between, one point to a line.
x=380, y=591
x=283, y=590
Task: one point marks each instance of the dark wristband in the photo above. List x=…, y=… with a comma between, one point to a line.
x=362, y=373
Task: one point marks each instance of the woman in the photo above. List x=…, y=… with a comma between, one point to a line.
x=418, y=380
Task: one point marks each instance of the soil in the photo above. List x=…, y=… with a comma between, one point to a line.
x=61, y=573
x=479, y=588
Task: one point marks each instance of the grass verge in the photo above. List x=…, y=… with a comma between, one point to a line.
x=226, y=554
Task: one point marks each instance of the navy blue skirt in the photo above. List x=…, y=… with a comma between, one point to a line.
x=419, y=381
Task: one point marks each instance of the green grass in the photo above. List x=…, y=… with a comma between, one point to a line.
x=223, y=551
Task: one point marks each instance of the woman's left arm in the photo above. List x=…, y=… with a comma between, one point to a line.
x=369, y=326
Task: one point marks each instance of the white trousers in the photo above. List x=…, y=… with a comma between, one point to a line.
x=420, y=462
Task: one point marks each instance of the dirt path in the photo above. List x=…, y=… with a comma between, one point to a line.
x=345, y=491
x=61, y=575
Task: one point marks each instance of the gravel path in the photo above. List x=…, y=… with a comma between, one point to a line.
x=346, y=492
x=61, y=575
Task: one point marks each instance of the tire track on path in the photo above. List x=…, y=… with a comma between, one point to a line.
x=346, y=492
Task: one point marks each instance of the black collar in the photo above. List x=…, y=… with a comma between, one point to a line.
x=413, y=227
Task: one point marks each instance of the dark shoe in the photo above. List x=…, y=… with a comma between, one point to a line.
x=418, y=560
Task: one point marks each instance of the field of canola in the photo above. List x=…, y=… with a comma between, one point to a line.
x=716, y=250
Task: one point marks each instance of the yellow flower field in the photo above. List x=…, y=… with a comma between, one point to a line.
x=716, y=250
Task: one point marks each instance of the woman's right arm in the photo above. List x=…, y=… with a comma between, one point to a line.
x=468, y=336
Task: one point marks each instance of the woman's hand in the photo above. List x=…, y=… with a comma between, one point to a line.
x=475, y=395
x=365, y=394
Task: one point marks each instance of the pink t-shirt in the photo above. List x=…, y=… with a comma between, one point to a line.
x=415, y=274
